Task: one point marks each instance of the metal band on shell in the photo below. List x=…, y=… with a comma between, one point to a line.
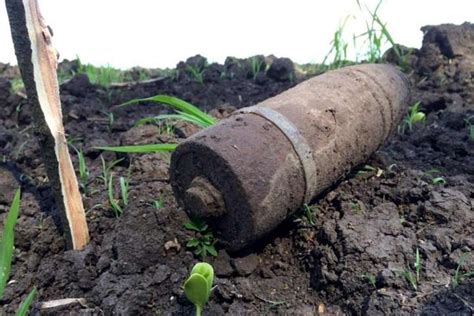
x=299, y=143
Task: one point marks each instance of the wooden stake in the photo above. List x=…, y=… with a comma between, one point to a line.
x=38, y=63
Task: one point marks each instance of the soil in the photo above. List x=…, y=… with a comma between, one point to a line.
x=354, y=258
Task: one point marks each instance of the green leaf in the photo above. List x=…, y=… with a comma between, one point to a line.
x=192, y=243
x=6, y=243
x=196, y=289
x=25, y=305
x=206, y=270
x=211, y=250
x=177, y=104
x=151, y=148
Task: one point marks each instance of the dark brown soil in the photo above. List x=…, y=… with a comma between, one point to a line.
x=352, y=260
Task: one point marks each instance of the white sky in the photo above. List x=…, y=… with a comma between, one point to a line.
x=153, y=33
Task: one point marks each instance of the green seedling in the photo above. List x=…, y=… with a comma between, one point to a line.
x=196, y=74
x=414, y=115
x=204, y=241
x=338, y=50
x=124, y=185
x=439, y=180
x=16, y=85
x=256, y=66
x=198, y=286
x=368, y=171
x=413, y=280
x=159, y=203
x=114, y=203
x=7, y=241
x=104, y=76
x=25, y=305
x=370, y=278
x=308, y=214
x=184, y=111
x=83, y=171
x=417, y=265
x=152, y=148
x=106, y=168
x=110, y=120
x=410, y=278
x=470, y=127
x=458, y=277
x=6, y=253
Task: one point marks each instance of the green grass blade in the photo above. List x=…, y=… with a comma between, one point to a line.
x=179, y=117
x=152, y=148
x=25, y=305
x=6, y=244
x=176, y=104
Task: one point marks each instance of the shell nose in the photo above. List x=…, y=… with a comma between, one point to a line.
x=203, y=200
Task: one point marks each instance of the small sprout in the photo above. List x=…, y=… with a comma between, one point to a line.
x=458, y=277
x=414, y=115
x=204, y=241
x=308, y=214
x=124, y=185
x=157, y=204
x=198, y=286
x=185, y=111
x=196, y=74
x=470, y=126
x=25, y=305
x=256, y=65
x=410, y=279
x=114, y=204
x=6, y=253
x=83, y=171
x=7, y=241
x=417, y=265
x=368, y=171
x=439, y=180
x=370, y=278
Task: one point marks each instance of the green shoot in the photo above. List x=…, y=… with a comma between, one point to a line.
x=414, y=115
x=25, y=305
x=338, y=48
x=368, y=171
x=184, y=111
x=7, y=241
x=417, y=265
x=470, y=127
x=159, y=203
x=83, y=172
x=103, y=76
x=370, y=279
x=110, y=120
x=255, y=66
x=439, y=180
x=196, y=74
x=204, y=241
x=198, y=286
x=16, y=85
x=458, y=277
x=410, y=279
x=181, y=106
x=152, y=148
x=106, y=168
x=124, y=185
x=308, y=213
x=116, y=208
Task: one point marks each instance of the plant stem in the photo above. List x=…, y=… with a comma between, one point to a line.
x=198, y=310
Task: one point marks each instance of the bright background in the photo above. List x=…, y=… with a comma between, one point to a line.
x=153, y=34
